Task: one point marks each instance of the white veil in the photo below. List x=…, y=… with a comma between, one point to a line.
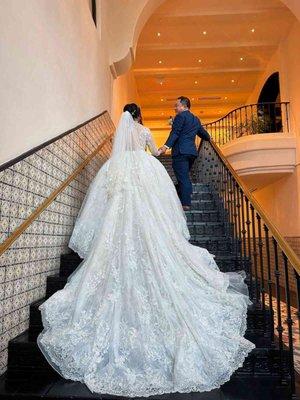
x=126, y=143
x=126, y=135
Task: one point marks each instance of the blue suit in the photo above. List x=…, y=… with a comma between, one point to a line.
x=184, y=151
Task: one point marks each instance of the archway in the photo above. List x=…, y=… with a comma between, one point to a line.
x=122, y=60
x=269, y=111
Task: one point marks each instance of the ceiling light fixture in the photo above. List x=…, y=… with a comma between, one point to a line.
x=252, y=30
x=204, y=32
x=158, y=33
x=242, y=58
x=232, y=80
x=161, y=99
x=159, y=62
x=199, y=60
x=196, y=82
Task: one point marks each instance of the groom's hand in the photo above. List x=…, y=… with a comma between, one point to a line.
x=162, y=149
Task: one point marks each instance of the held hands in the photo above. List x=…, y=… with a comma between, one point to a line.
x=162, y=150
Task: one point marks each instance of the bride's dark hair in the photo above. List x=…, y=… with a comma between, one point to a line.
x=134, y=110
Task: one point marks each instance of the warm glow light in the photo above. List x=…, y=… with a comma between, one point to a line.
x=161, y=99
x=204, y=32
x=252, y=30
x=241, y=58
x=196, y=82
x=193, y=98
x=232, y=80
x=159, y=62
x=158, y=33
x=225, y=97
x=199, y=60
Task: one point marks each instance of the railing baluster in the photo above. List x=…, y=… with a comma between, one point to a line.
x=298, y=300
x=248, y=222
x=279, y=327
x=289, y=321
x=254, y=253
x=261, y=262
x=243, y=224
x=270, y=297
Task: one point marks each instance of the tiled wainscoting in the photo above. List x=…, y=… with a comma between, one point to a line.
x=35, y=254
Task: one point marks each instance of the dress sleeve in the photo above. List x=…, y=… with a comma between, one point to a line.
x=150, y=143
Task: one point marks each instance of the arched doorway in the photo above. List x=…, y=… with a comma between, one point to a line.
x=269, y=109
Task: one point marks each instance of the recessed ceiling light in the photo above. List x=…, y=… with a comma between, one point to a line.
x=225, y=97
x=159, y=62
x=161, y=82
x=193, y=98
x=161, y=99
x=158, y=33
x=242, y=58
x=196, y=82
x=232, y=80
x=252, y=30
x=199, y=60
x=204, y=32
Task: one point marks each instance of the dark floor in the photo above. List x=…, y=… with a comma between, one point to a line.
x=57, y=388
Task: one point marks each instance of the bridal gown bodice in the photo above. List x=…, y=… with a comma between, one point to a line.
x=145, y=312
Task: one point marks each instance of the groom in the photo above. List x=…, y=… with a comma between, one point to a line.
x=184, y=152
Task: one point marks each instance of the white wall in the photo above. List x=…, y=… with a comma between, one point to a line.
x=54, y=70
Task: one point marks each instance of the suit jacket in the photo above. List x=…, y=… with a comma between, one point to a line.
x=184, y=130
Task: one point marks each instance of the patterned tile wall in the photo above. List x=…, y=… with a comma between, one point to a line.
x=24, y=185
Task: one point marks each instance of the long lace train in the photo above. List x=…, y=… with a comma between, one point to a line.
x=145, y=312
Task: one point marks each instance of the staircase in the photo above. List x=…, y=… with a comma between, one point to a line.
x=30, y=376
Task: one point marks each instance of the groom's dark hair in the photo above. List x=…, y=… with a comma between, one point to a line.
x=184, y=101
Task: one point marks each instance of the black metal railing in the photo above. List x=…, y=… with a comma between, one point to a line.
x=250, y=119
x=272, y=266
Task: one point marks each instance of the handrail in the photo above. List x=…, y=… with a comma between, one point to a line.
x=241, y=107
x=20, y=229
x=290, y=253
x=266, y=271
x=254, y=118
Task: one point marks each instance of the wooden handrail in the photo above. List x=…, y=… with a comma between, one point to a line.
x=285, y=247
x=20, y=229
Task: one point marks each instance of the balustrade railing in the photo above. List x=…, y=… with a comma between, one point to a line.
x=250, y=119
x=272, y=266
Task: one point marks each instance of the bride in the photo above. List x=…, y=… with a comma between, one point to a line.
x=145, y=312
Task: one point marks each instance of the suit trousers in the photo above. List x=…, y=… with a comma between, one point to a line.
x=182, y=165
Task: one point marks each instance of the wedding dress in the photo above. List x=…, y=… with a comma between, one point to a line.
x=145, y=312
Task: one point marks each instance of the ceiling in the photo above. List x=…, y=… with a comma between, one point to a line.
x=212, y=51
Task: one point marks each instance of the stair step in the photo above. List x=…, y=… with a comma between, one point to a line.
x=203, y=215
x=219, y=245
x=68, y=263
x=202, y=195
x=203, y=204
x=55, y=283
x=24, y=353
x=209, y=228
